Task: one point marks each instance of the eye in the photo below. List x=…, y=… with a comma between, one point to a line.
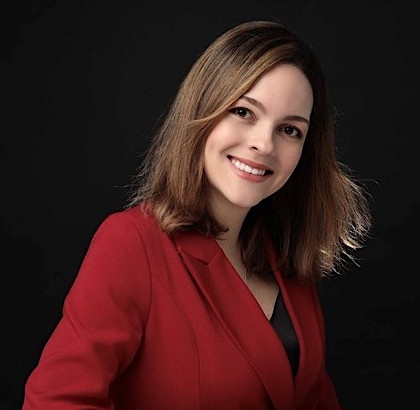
x=292, y=131
x=241, y=112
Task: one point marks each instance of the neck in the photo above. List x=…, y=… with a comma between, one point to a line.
x=231, y=217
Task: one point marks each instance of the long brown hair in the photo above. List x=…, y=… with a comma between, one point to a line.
x=319, y=216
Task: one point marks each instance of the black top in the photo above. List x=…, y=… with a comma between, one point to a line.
x=284, y=328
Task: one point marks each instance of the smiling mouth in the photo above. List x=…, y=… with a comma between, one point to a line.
x=248, y=169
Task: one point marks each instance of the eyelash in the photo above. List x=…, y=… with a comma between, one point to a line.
x=236, y=110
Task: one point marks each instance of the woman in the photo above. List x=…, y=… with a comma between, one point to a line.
x=201, y=294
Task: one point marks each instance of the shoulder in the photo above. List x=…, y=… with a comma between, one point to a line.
x=117, y=260
x=131, y=218
x=124, y=236
x=128, y=224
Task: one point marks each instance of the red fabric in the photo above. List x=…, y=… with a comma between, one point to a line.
x=153, y=322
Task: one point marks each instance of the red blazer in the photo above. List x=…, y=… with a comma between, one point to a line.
x=153, y=322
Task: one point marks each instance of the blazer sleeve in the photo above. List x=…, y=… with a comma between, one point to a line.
x=101, y=327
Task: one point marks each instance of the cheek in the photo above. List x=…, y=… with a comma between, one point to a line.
x=212, y=141
x=211, y=152
x=290, y=156
x=224, y=134
x=216, y=146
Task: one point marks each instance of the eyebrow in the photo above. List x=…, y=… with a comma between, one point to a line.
x=260, y=105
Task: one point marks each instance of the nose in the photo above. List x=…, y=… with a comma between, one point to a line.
x=261, y=140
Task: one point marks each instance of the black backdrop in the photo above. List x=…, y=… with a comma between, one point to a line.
x=82, y=86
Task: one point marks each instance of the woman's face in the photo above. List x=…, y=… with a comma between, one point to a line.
x=252, y=151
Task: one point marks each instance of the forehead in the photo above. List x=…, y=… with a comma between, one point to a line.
x=283, y=87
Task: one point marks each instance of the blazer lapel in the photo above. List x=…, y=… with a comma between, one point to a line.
x=238, y=313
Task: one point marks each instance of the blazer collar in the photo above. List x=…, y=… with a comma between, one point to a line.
x=238, y=313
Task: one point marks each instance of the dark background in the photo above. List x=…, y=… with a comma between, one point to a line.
x=82, y=86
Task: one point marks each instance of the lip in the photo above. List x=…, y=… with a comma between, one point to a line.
x=245, y=175
x=252, y=164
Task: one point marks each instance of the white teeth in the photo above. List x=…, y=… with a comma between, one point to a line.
x=247, y=168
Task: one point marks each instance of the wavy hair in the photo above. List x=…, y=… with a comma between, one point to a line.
x=319, y=217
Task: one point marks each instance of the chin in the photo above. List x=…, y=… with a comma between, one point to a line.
x=245, y=203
